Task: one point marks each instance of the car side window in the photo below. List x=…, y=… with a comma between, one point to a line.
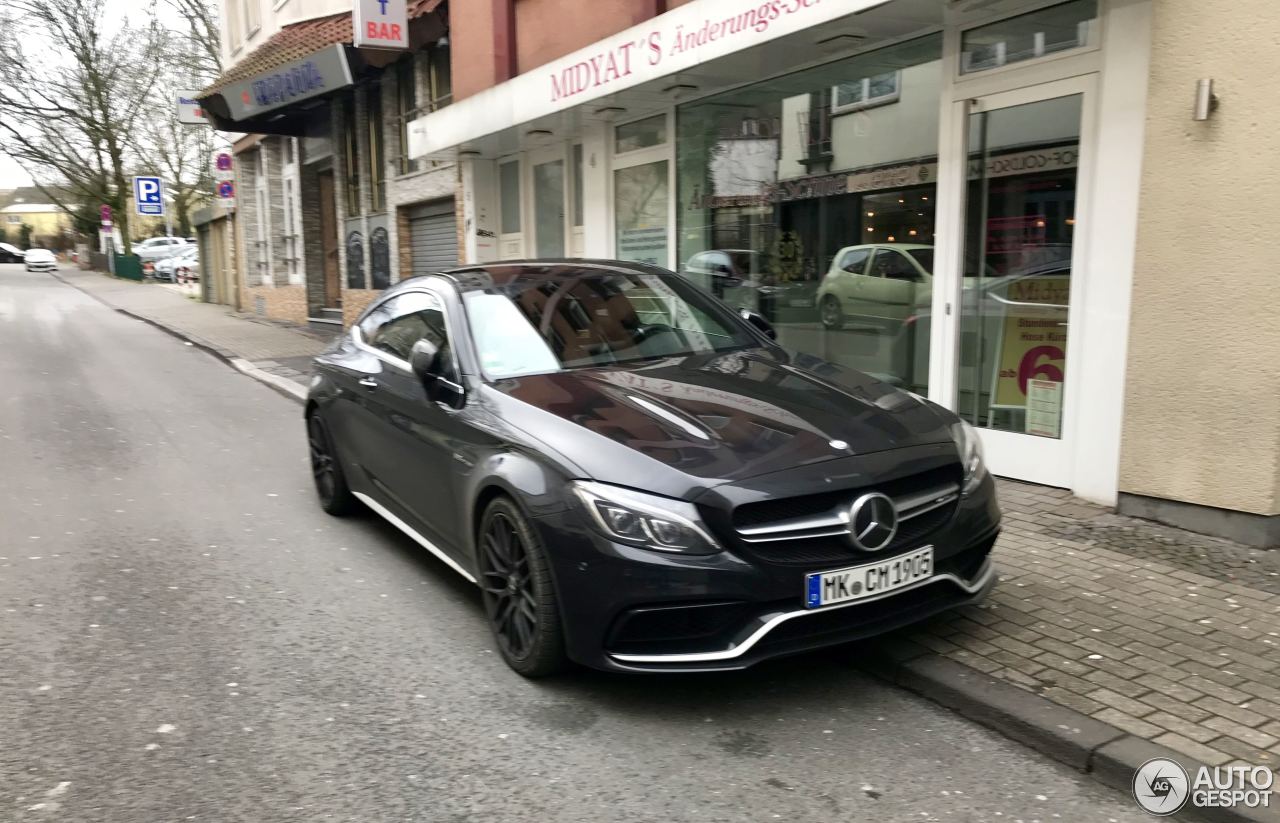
x=406, y=319
x=893, y=265
x=855, y=262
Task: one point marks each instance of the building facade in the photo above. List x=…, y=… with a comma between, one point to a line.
x=991, y=203
x=329, y=210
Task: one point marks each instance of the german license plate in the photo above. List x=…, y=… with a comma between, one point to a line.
x=873, y=579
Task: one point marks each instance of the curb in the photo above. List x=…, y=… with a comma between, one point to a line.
x=281, y=385
x=1108, y=754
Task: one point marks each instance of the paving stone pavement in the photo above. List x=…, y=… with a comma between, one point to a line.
x=275, y=347
x=1167, y=635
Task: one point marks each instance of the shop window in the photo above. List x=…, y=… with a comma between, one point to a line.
x=642, y=134
x=863, y=94
x=641, y=213
x=1029, y=36
x=578, y=188
x=509, y=192
x=806, y=199
x=377, y=172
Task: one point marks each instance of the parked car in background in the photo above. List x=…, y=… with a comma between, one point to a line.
x=637, y=477
x=11, y=254
x=158, y=248
x=718, y=269
x=875, y=285
x=167, y=269
x=40, y=260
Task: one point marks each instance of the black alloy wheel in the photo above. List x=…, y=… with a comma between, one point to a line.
x=331, y=486
x=519, y=599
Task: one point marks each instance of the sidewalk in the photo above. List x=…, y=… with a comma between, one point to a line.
x=270, y=349
x=1162, y=635
x=1125, y=635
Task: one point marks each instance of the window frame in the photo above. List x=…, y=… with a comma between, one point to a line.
x=450, y=327
x=351, y=157
x=377, y=133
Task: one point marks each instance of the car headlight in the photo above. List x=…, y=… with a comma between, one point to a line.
x=970, y=446
x=646, y=520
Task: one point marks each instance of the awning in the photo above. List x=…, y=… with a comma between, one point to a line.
x=299, y=64
x=678, y=44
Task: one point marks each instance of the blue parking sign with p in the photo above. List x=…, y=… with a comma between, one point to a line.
x=148, y=193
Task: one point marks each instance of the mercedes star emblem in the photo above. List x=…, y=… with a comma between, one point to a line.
x=873, y=521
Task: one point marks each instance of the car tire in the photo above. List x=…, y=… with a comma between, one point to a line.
x=326, y=470
x=520, y=601
x=831, y=313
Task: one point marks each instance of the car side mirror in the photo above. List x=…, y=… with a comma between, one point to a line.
x=756, y=319
x=426, y=362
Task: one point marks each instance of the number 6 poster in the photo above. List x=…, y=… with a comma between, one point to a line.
x=1033, y=346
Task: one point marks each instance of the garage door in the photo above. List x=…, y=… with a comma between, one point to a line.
x=435, y=237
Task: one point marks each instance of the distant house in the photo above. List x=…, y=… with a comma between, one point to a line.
x=50, y=226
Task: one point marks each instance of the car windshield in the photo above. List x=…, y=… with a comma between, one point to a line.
x=588, y=317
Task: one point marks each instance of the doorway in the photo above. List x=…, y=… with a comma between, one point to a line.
x=1007, y=364
x=329, y=242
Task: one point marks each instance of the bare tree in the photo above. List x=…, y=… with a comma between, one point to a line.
x=190, y=59
x=75, y=86
x=204, y=55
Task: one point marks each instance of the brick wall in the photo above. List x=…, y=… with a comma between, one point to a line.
x=288, y=303
x=354, y=301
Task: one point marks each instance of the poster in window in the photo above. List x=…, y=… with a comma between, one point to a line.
x=641, y=208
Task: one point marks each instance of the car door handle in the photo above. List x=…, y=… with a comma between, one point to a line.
x=368, y=382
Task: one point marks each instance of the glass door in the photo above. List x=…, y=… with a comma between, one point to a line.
x=1020, y=274
x=547, y=168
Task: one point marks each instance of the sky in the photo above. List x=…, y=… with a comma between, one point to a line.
x=11, y=174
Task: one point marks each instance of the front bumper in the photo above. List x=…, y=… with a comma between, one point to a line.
x=629, y=609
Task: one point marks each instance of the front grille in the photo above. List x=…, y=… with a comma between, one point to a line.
x=813, y=529
x=785, y=508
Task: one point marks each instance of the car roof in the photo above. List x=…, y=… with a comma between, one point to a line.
x=898, y=246
x=479, y=277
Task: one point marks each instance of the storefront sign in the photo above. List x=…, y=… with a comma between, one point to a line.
x=897, y=177
x=189, y=109
x=1012, y=164
x=381, y=24
x=682, y=39
x=311, y=76
x=1033, y=337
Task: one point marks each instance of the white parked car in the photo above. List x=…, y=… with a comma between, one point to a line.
x=187, y=258
x=158, y=248
x=40, y=260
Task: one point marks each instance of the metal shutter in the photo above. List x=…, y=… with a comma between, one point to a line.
x=435, y=237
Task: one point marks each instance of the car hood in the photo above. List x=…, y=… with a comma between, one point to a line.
x=39, y=256
x=679, y=426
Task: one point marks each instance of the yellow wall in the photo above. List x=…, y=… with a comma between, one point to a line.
x=1202, y=406
x=42, y=223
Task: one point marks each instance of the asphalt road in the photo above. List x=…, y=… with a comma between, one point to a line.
x=184, y=635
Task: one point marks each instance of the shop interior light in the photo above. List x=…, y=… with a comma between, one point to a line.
x=892, y=239
x=912, y=232
x=871, y=228
x=871, y=214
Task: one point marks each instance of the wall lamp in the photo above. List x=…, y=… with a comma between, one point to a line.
x=1206, y=100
